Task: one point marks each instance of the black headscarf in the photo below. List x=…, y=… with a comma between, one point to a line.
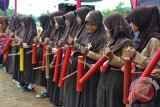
x=52, y=19
x=59, y=32
x=82, y=13
x=46, y=26
x=18, y=26
x=60, y=20
x=97, y=38
x=73, y=28
x=14, y=23
x=56, y=13
x=120, y=32
x=28, y=29
x=148, y=22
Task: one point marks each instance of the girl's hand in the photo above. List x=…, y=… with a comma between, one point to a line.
x=108, y=52
x=70, y=41
x=131, y=52
x=156, y=73
x=84, y=50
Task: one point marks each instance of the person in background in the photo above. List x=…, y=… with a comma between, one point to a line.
x=92, y=48
x=145, y=20
x=81, y=33
x=110, y=93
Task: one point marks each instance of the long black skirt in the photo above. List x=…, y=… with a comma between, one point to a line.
x=40, y=76
x=71, y=93
x=12, y=64
x=50, y=86
x=49, y=80
x=110, y=89
x=89, y=95
x=28, y=75
x=54, y=90
x=64, y=89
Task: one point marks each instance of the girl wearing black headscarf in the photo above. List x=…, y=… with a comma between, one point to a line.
x=55, y=37
x=13, y=61
x=28, y=32
x=146, y=21
x=70, y=31
x=49, y=40
x=110, y=93
x=71, y=94
x=40, y=78
x=92, y=47
x=56, y=34
x=71, y=28
x=48, y=25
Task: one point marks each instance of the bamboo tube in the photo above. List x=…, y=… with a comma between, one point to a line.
x=44, y=57
x=93, y=69
x=34, y=54
x=127, y=79
x=58, y=61
x=21, y=59
x=80, y=73
x=8, y=44
x=47, y=63
x=65, y=66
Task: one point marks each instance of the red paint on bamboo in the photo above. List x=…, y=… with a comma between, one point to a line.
x=34, y=54
x=80, y=73
x=78, y=4
x=57, y=65
x=127, y=80
x=65, y=66
x=44, y=57
x=8, y=44
x=5, y=56
x=93, y=69
x=152, y=64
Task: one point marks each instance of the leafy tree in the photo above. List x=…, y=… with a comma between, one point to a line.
x=9, y=12
x=119, y=9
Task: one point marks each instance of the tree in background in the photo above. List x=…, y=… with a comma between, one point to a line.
x=9, y=12
x=119, y=8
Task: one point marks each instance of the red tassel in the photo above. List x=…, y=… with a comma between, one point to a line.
x=57, y=65
x=8, y=44
x=127, y=80
x=105, y=66
x=152, y=64
x=44, y=57
x=80, y=73
x=34, y=54
x=65, y=66
x=93, y=69
x=133, y=69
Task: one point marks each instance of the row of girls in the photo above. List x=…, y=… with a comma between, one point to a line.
x=83, y=32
